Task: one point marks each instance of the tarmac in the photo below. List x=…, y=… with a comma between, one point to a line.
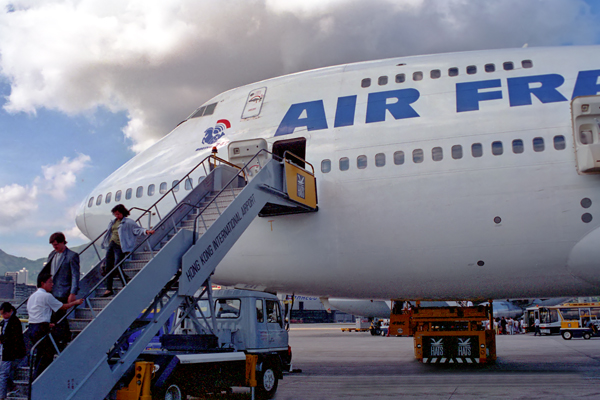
x=352, y=365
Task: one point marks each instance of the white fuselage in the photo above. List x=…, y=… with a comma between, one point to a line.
x=447, y=227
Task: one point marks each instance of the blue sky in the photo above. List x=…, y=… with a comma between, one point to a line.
x=86, y=84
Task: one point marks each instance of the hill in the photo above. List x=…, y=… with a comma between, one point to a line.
x=10, y=263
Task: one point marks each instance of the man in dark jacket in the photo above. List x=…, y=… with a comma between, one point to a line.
x=13, y=347
x=63, y=265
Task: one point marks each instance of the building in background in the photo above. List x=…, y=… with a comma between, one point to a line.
x=19, y=277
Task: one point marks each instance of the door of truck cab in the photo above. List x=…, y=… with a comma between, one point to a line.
x=274, y=317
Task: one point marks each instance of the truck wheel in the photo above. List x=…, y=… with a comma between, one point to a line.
x=587, y=336
x=175, y=392
x=267, y=382
x=567, y=335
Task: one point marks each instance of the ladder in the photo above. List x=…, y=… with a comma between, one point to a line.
x=166, y=269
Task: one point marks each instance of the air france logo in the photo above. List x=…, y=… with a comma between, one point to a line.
x=437, y=348
x=464, y=347
x=213, y=134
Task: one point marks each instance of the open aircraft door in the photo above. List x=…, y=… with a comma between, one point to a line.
x=585, y=112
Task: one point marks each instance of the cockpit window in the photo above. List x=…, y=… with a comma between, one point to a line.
x=204, y=111
x=210, y=109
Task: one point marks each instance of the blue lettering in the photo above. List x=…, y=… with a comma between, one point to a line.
x=315, y=118
x=344, y=113
x=468, y=95
x=520, y=90
x=587, y=83
x=377, y=104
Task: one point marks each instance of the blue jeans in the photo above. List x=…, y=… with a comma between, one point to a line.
x=7, y=375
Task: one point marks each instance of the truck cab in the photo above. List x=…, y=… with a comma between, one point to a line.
x=247, y=347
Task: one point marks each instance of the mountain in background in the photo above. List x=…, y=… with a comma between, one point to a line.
x=9, y=263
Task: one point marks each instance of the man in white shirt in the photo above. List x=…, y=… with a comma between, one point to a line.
x=40, y=306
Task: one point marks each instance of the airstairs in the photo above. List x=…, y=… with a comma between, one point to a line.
x=167, y=269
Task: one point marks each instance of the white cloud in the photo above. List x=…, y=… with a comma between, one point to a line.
x=16, y=203
x=159, y=60
x=58, y=178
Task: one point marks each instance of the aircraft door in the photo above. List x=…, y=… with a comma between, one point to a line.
x=296, y=146
x=277, y=333
x=585, y=113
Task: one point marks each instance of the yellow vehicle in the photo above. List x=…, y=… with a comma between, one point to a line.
x=552, y=318
x=580, y=320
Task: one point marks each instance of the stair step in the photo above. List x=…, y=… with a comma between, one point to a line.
x=79, y=324
x=86, y=313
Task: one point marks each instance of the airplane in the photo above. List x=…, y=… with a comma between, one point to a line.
x=470, y=175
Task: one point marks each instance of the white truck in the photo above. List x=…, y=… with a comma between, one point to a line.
x=249, y=347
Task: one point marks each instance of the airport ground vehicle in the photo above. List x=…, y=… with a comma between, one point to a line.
x=580, y=320
x=447, y=334
x=552, y=317
x=165, y=272
x=191, y=362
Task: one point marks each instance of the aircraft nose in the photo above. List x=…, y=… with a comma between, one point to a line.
x=80, y=219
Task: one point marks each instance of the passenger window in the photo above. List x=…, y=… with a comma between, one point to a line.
x=453, y=71
x=128, y=193
x=151, y=190
x=400, y=78
x=344, y=164
x=260, y=313
x=139, y=192
x=227, y=308
x=365, y=83
x=379, y=160
x=476, y=150
x=99, y=200
x=471, y=69
x=559, y=142
x=175, y=185
x=437, y=154
x=325, y=166
x=163, y=188
x=361, y=162
x=399, y=158
x=273, y=312
x=538, y=144
x=108, y=197
x=118, y=196
x=200, y=179
x=490, y=67
x=417, y=76
x=383, y=80
x=497, y=149
x=508, y=66
x=457, y=152
x=91, y=202
x=188, y=184
x=417, y=156
x=517, y=146
x=527, y=64
x=435, y=73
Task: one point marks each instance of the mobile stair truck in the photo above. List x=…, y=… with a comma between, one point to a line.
x=169, y=271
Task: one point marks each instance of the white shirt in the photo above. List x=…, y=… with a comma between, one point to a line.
x=40, y=306
x=56, y=261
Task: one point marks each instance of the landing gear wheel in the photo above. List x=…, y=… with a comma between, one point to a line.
x=175, y=392
x=267, y=382
x=587, y=336
x=567, y=335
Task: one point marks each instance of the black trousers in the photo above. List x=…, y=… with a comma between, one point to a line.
x=62, y=332
x=114, y=255
x=44, y=353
